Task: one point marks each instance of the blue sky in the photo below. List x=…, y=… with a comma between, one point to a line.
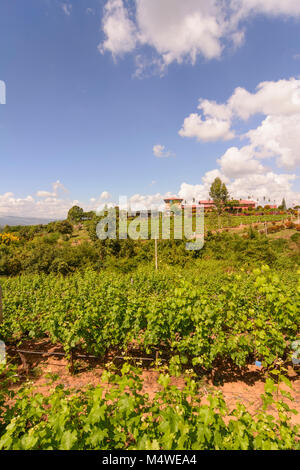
x=93, y=86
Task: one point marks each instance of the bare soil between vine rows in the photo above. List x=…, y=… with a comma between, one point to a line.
x=244, y=385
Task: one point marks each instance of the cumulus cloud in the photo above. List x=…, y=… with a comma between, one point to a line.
x=178, y=31
x=237, y=163
x=45, y=204
x=281, y=97
x=261, y=187
x=190, y=192
x=174, y=29
x=266, y=186
x=119, y=29
x=276, y=136
x=146, y=201
x=206, y=130
x=271, y=7
x=105, y=195
x=47, y=207
x=258, y=183
x=161, y=152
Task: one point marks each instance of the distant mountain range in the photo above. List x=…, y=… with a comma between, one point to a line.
x=13, y=220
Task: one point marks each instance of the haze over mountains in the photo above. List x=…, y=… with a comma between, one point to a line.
x=14, y=220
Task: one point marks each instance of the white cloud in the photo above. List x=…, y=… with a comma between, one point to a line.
x=209, y=177
x=207, y=130
x=271, y=98
x=66, y=8
x=45, y=204
x=2, y=92
x=281, y=97
x=105, y=195
x=32, y=207
x=239, y=162
x=257, y=186
x=190, y=192
x=269, y=185
x=277, y=136
x=270, y=7
x=45, y=194
x=104, y=200
x=119, y=30
x=161, y=152
x=146, y=201
x=201, y=191
x=178, y=30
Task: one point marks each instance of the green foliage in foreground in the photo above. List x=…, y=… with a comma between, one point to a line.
x=121, y=416
x=202, y=320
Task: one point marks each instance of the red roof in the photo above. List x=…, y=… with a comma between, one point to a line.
x=246, y=201
x=173, y=198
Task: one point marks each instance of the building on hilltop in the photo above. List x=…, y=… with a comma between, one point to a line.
x=208, y=204
x=245, y=204
x=172, y=201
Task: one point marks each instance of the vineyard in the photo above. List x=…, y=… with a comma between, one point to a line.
x=241, y=318
x=231, y=306
x=212, y=222
x=189, y=327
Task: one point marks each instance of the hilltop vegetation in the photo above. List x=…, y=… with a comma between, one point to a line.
x=66, y=246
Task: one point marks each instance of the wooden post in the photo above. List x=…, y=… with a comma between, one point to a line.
x=24, y=363
x=156, y=266
x=71, y=366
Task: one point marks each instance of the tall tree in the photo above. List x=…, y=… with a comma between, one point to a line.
x=283, y=205
x=75, y=214
x=219, y=194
